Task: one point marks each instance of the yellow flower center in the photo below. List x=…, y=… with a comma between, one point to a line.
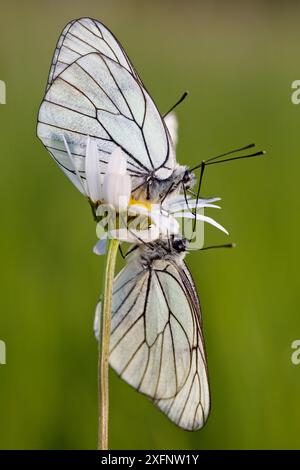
x=138, y=202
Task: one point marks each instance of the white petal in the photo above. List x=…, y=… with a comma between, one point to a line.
x=100, y=228
x=92, y=170
x=191, y=205
x=116, y=182
x=97, y=320
x=175, y=199
x=100, y=247
x=204, y=218
x=172, y=203
x=117, y=190
x=172, y=125
x=117, y=162
x=79, y=183
x=136, y=236
x=166, y=224
x=161, y=218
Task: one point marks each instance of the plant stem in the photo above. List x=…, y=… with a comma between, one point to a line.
x=103, y=364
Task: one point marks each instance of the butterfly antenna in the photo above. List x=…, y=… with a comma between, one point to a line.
x=210, y=247
x=185, y=196
x=177, y=103
x=189, y=209
x=202, y=166
x=256, y=154
x=214, y=160
x=167, y=193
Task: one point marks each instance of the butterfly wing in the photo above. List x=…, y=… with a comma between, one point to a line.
x=94, y=94
x=189, y=407
x=156, y=340
x=81, y=37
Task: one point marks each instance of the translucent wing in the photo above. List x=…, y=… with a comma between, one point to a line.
x=189, y=408
x=156, y=340
x=79, y=38
x=99, y=94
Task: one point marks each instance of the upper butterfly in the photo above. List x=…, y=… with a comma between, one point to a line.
x=93, y=90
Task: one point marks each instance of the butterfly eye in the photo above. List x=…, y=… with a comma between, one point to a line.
x=179, y=245
x=188, y=179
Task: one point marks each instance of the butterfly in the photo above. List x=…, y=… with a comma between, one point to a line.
x=93, y=89
x=156, y=342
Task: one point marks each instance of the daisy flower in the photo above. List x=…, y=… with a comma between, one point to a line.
x=124, y=217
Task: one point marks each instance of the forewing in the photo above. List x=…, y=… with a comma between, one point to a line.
x=82, y=36
x=156, y=340
x=98, y=97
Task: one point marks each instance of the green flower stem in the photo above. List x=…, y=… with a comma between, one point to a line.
x=103, y=365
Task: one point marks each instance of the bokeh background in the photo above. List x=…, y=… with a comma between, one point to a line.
x=238, y=60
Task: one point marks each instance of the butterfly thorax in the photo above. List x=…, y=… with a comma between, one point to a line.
x=157, y=190
x=173, y=249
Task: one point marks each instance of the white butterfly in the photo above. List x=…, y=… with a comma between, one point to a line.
x=94, y=90
x=156, y=340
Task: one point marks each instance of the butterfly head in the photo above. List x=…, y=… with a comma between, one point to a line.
x=188, y=179
x=174, y=247
x=178, y=244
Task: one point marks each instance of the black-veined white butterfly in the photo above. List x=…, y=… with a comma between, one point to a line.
x=94, y=90
x=156, y=340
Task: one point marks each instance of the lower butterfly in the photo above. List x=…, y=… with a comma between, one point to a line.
x=156, y=340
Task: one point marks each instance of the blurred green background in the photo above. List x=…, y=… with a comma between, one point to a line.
x=238, y=61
